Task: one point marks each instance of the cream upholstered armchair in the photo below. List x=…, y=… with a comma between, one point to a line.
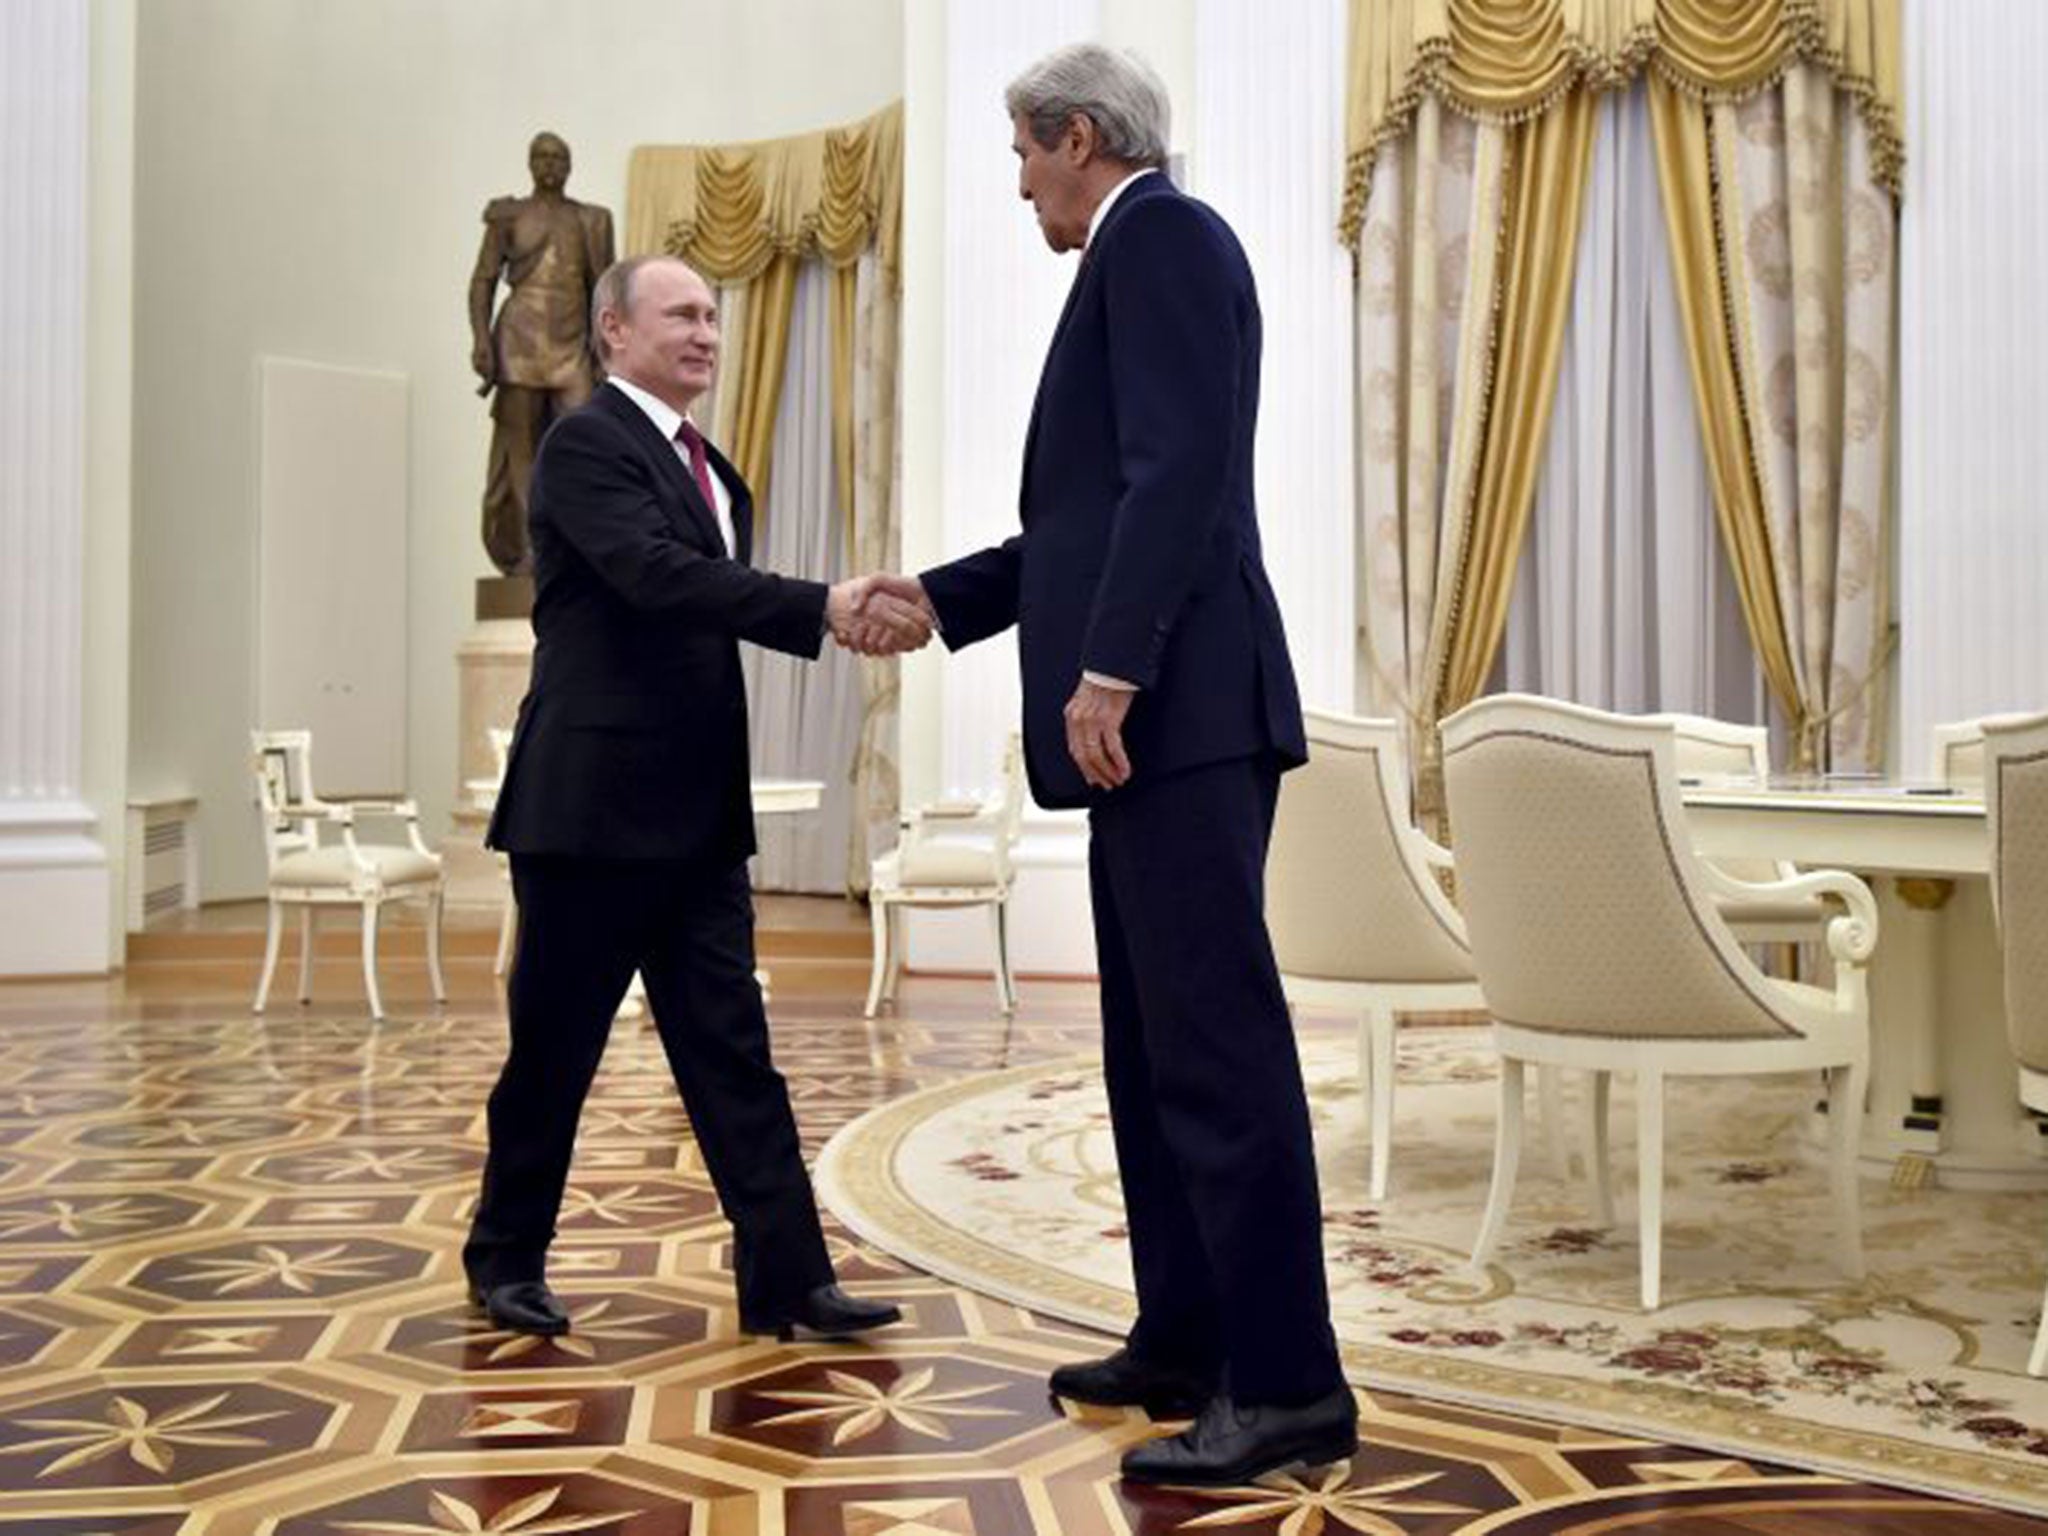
x=1707, y=749
x=1358, y=919
x=1600, y=945
x=307, y=874
x=1959, y=748
x=2015, y=764
x=952, y=854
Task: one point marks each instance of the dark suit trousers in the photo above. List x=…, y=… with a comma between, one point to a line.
x=1205, y=1093
x=585, y=925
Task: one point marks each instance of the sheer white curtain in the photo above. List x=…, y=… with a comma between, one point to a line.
x=805, y=715
x=1623, y=599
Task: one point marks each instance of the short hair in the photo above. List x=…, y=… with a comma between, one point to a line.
x=546, y=136
x=614, y=292
x=1115, y=89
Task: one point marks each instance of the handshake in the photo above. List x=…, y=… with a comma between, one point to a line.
x=880, y=615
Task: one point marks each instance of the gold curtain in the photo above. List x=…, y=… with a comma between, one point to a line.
x=1546, y=184
x=1808, y=242
x=1686, y=180
x=1512, y=59
x=729, y=210
x=763, y=348
x=747, y=216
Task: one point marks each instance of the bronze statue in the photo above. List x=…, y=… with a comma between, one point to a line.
x=549, y=249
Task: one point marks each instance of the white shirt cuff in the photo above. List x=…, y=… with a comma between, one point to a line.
x=1115, y=684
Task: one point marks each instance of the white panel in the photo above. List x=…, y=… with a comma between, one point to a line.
x=43, y=71
x=331, y=521
x=1004, y=290
x=1269, y=104
x=1973, y=527
x=54, y=895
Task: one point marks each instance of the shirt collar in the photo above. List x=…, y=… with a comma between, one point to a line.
x=666, y=418
x=1102, y=208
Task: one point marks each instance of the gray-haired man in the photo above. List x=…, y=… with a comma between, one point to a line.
x=1158, y=693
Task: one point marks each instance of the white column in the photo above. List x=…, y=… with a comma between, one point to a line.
x=1269, y=130
x=53, y=870
x=1973, y=530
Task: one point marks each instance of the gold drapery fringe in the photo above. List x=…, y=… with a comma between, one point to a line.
x=1539, y=233
x=1509, y=60
x=730, y=210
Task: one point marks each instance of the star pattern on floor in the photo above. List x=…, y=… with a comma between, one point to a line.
x=231, y=1305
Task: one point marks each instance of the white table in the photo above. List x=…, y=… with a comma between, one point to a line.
x=1942, y=1085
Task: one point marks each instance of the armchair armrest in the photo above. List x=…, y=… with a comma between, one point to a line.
x=945, y=816
x=1434, y=852
x=370, y=806
x=1851, y=938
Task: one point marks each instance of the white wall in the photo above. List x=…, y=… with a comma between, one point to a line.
x=310, y=177
x=1973, y=526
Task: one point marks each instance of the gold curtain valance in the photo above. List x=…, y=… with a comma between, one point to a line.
x=729, y=210
x=1506, y=60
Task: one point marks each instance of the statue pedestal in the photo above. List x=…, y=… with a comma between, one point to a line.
x=493, y=663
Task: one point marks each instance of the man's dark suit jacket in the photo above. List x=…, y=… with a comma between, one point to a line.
x=632, y=739
x=1139, y=557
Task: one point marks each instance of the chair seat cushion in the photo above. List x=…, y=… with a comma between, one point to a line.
x=333, y=867
x=941, y=863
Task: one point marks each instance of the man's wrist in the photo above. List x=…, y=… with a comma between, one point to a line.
x=1104, y=680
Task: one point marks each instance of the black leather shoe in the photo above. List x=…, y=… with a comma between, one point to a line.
x=521, y=1306
x=828, y=1312
x=1229, y=1445
x=1123, y=1380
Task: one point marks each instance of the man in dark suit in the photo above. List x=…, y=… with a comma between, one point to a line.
x=626, y=810
x=1159, y=694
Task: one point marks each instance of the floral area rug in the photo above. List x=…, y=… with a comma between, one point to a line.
x=1916, y=1376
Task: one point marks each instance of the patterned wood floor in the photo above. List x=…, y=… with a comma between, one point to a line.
x=230, y=1302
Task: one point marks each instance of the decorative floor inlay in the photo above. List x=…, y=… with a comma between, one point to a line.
x=230, y=1305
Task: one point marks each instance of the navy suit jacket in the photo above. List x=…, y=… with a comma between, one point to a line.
x=632, y=738
x=1139, y=555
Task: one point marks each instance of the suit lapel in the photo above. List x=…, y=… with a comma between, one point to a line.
x=684, y=504
x=1155, y=185
x=742, y=505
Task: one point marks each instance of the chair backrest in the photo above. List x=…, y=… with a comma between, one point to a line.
x=2016, y=797
x=1704, y=747
x=1578, y=882
x=1959, y=748
x=500, y=738
x=282, y=762
x=1349, y=895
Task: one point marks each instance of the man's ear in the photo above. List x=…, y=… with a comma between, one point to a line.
x=1080, y=140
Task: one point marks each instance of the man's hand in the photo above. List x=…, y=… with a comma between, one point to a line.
x=866, y=618
x=907, y=589
x=1095, y=734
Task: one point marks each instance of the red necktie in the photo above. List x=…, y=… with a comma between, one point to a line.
x=700, y=464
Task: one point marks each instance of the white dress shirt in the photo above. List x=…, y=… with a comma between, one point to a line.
x=1102, y=680
x=666, y=419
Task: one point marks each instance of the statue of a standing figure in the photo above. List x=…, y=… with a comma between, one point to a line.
x=549, y=250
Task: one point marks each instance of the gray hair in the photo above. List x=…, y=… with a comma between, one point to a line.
x=1113, y=88
x=614, y=292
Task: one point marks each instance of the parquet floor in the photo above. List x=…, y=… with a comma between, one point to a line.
x=230, y=1302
